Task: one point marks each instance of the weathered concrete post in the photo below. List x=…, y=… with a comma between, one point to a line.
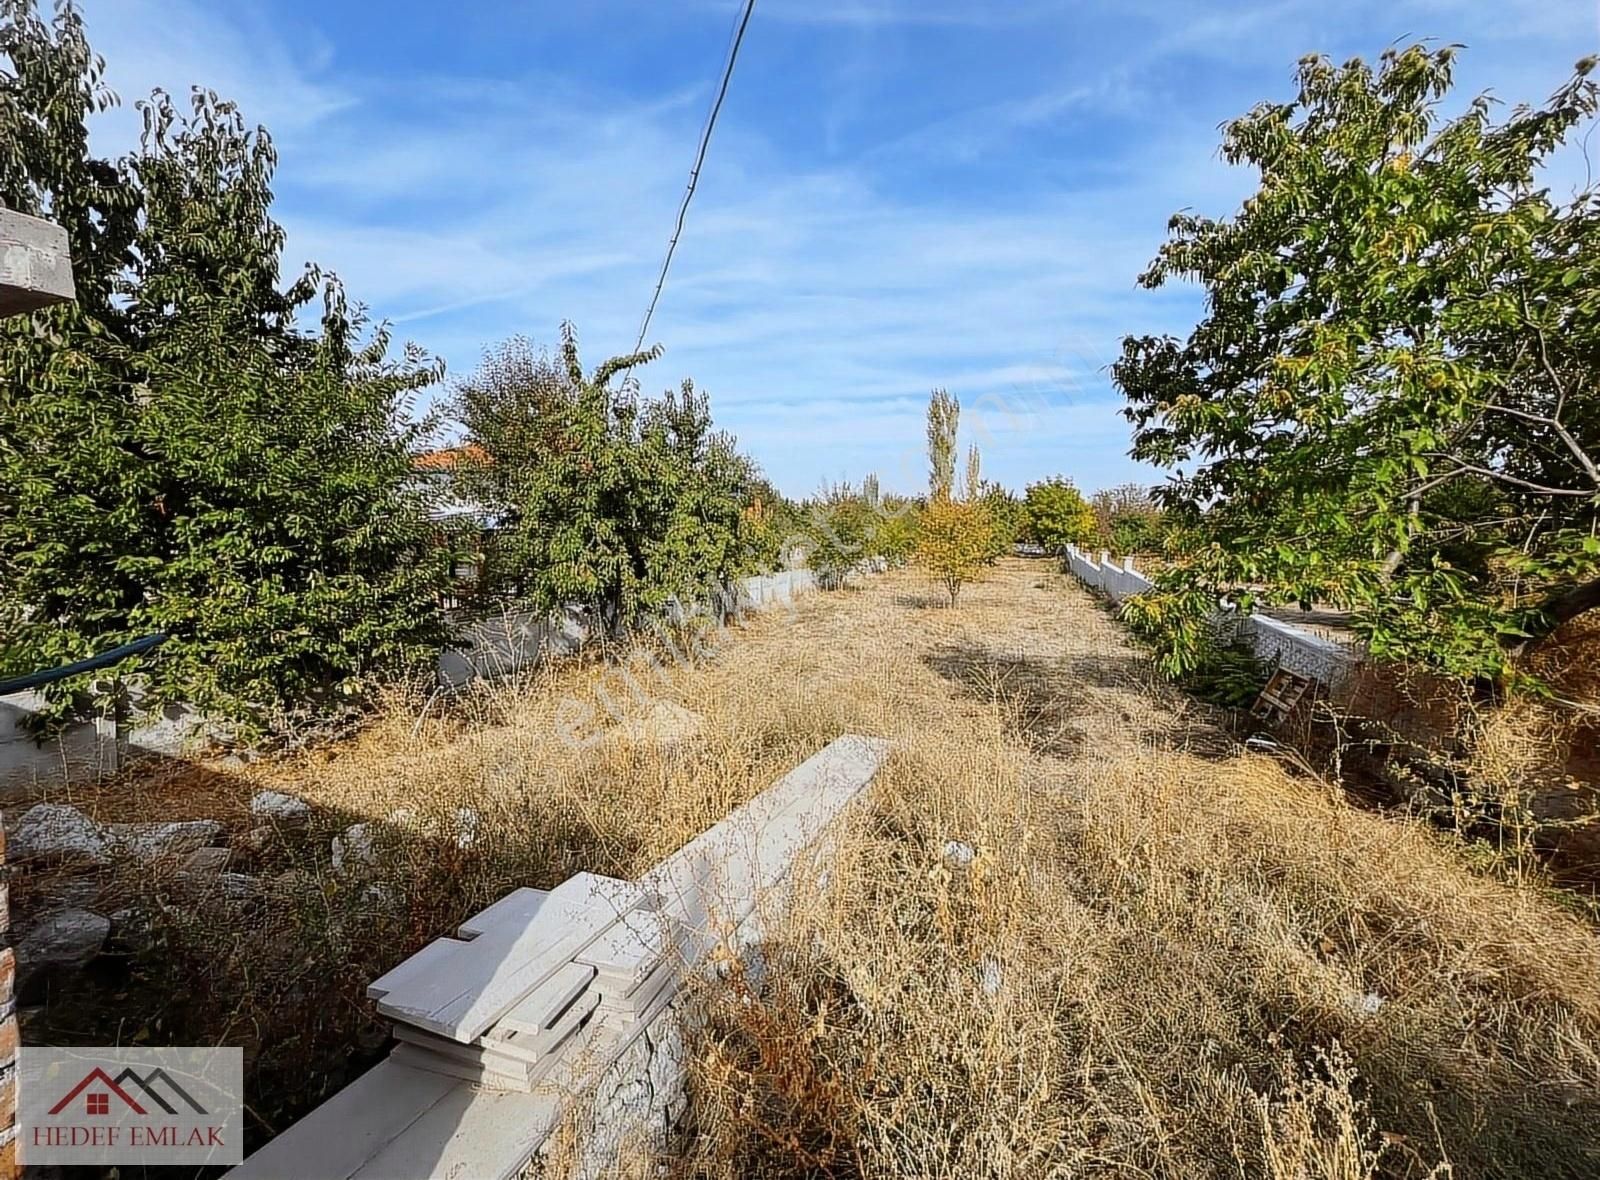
x=35, y=271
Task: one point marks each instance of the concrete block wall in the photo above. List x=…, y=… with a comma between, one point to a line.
x=1277, y=643
x=1115, y=579
x=89, y=749
x=502, y=644
x=80, y=751
x=722, y=886
x=1285, y=645
x=618, y=1077
x=512, y=640
x=35, y=265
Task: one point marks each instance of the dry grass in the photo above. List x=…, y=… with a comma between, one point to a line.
x=1157, y=963
x=1185, y=957
x=1519, y=775
x=1161, y=962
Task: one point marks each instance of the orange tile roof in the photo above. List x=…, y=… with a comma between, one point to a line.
x=449, y=458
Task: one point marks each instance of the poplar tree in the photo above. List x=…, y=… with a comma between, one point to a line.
x=944, y=417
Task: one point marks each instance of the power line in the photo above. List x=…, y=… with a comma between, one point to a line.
x=694, y=173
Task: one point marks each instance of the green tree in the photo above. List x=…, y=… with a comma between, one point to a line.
x=1057, y=515
x=1389, y=404
x=766, y=520
x=894, y=529
x=838, y=527
x=175, y=453
x=1128, y=519
x=603, y=498
x=899, y=519
x=1008, y=513
x=955, y=539
x=75, y=496
x=842, y=526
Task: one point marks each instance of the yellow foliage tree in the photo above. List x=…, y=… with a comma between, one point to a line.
x=955, y=540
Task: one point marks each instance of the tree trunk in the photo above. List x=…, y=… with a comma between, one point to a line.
x=1561, y=607
x=1391, y=563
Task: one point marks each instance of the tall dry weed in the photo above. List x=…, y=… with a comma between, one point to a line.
x=1050, y=944
x=1194, y=969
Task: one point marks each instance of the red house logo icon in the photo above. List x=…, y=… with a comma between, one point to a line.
x=94, y=1105
x=97, y=1102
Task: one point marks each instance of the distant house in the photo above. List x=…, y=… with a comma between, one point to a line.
x=435, y=473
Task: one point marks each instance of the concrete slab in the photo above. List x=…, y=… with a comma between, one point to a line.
x=513, y=1076
x=464, y=987
x=478, y=1134
x=477, y=982
x=520, y=905
x=543, y=1007
x=334, y=1141
x=632, y=948
x=665, y=977
x=509, y=1054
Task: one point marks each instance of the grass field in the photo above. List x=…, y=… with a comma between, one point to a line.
x=1074, y=931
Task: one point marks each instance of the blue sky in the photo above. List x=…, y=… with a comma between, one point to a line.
x=901, y=193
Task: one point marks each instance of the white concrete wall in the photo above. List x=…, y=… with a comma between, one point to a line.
x=1288, y=646
x=35, y=264
x=1115, y=579
x=1277, y=643
x=620, y=1076
x=86, y=749
x=78, y=751
x=503, y=643
x=724, y=885
x=512, y=640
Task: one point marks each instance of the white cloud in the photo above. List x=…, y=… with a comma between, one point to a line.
x=234, y=49
x=820, y=289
